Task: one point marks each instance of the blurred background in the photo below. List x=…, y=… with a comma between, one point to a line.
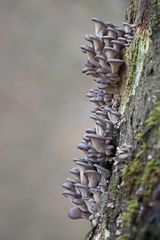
x=44, y=111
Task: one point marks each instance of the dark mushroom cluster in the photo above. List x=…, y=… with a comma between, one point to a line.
x=92, y=172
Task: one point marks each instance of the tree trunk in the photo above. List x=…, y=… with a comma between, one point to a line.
x=131, y=207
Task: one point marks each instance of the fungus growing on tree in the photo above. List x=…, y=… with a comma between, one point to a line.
x=93, y=171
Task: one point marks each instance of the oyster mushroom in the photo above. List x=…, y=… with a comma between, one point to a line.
x=97, y=142
x=93, y=178
x=96, y=194
x=100, y=27
x=75, y=171
x=110, y=52
x=82, y=166
x=115, y=64
x=75, y=213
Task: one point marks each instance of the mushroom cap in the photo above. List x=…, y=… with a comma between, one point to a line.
x=118, y=43
x=75, y=159
x=75, y=171
x=111, y=110
x=86, y=69
x=108, y=38
x=122, y=39
x=88, y=38
x=95, y=136
x=87, y=48
x=120, y=31
x=71, y=180
x=94, y=19
x=77, y=201
x=102, y=70
x=104, y=171
x=93, y=37
x=109, y=24
x=111, y=32
x=67, y=193
x=100, y=56
x=110, y=52
x=93, y=178
x=84, y=164
x=79, y=185
x=83, y=146
x=90, y=130
x=68, y=186
x=75, y=213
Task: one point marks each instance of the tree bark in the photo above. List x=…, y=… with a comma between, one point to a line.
x=131, y=207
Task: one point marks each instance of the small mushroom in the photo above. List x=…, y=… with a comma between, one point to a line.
x=102, y=62
x=98, y=142
x=105, y=173
x=97, y=44
x=75, y=213
x=115, y=64
x=111, y=32
x=82, y=166
x=90, y=54
x=117, y=45
x=71, y=195
x=110, y=52
x=120, y=32
x=127, y=27
x=107, y=40
x=100, y=27
x=96, y=194
x=83, y=146
x=69, y=186
x=83, y=189
x=76, y=172
x=93, y=178
x=79, y=203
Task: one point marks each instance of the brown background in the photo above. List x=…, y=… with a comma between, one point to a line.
x=44, y=111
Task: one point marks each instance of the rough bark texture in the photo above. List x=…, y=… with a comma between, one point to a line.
x=131, y=208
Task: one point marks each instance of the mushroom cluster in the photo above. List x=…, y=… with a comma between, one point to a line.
x=92, y=172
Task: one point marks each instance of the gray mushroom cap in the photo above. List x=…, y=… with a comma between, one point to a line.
x=75, y=171
x=88, y=38
x=110, y=52
x=107, y=40
x=111, y=32
x=87, y=48
x=76, y=159
x=118, y=45
x=100, y=27
x=90, y=130
x=98, y=142
x=70, y=195
x=120, y=31
x=115, y=64
x=122, y=39
x=97, y=43
x=83, y=189
x=75, y=213
x=68, y=186
x=127, y=27
x=71, y=180
x=93, y=178
x=80, y=203
x=82, y=166
x=83, y=146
